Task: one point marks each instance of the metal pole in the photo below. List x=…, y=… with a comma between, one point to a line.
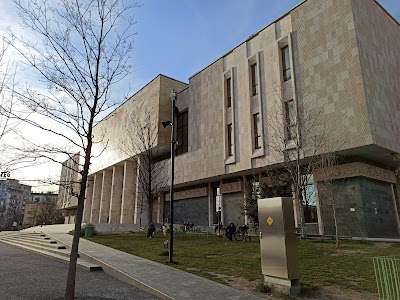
x=171, y=203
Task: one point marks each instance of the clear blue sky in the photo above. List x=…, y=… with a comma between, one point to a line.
x=179, y=37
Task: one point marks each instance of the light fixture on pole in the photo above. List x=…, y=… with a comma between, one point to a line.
x=175, y=112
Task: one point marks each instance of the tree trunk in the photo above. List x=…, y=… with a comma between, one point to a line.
x=70, y=288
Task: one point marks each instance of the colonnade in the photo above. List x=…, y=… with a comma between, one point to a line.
x=112, y=195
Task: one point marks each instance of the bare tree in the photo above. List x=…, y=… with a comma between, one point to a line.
x=81, y=49
x=48, y=213
x=7, y=102
x=143, y=146
x=297, y=138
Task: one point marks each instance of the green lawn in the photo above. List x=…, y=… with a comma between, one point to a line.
x=320, y=262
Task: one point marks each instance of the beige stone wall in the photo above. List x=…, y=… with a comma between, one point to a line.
x=69, y=179
x=328, y=70
x=111, y=132
x=327, y=76
x=378, y=37
x=206, y=155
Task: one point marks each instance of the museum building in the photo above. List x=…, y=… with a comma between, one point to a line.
x=320, y=79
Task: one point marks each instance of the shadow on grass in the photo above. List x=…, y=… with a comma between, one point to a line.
x=308, y=290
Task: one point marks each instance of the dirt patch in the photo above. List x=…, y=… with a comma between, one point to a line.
x=340, y=252
x=320, y=293
x=339, y=293
x=382, y=245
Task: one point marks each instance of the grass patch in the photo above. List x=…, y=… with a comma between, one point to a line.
x=321, y=263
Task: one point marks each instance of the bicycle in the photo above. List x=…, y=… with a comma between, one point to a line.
x=242, y=234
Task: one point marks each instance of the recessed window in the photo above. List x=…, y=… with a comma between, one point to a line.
x=257, y=131
x=182, y=133
x=287, y=75
x=254, y=79
x=291, y=129
x=228, y=92
x=230, y=140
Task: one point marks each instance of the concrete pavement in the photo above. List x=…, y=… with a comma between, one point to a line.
x=160, y=280
x=157, y=279
x=29, y=276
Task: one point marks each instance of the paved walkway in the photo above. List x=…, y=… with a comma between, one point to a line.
x=29, y=276
x=157, y=279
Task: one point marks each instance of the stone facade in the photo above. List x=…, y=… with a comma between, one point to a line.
x=336, y=59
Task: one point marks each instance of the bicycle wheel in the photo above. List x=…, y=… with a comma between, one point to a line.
x=247, y=238
x=238, y=236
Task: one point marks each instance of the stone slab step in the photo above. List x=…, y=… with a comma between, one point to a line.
x=37, y=241
x=80, y=262
x=59, y=249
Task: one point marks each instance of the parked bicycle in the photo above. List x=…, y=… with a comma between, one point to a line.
x=242, y=234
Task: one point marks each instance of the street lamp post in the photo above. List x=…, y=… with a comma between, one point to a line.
x=171, y=200
x=171, y=193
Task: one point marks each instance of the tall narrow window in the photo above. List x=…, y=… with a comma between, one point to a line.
x=230, y=140
x=291, y=129
x=254, y=79
x=257, y=131
x=228, y=92
x=287, y=75
x=182, y=133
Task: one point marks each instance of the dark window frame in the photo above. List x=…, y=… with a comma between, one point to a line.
x=254, y=79
x=228, y=92
x=257, y=130
x=286, y=70
x=230, y=140
x=291, y=120
x=182, y=132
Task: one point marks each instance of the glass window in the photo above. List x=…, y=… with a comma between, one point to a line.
x=257, y=131
x=230, y=140
x=286, y=64
x=182, y=133
x=291, y=129
x=254, y=79
x=228, y=93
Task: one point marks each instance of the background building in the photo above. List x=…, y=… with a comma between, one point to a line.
x=42, y=208
x=319, y=80
x=13, y=196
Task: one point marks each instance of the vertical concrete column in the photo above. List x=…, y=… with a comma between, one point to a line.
x=88, y=200
x=222, y=206
x=210, y=205
x=246, y=217
x=319, y=210
x=140, y=206
x=128, y=192
x=158, y=206
x=98, y=180
x=396, y=210
x=105, y=197
x=116, y=194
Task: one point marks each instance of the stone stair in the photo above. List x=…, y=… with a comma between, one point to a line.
x=43, y=244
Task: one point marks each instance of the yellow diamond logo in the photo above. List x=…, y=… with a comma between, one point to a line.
x=270, y=221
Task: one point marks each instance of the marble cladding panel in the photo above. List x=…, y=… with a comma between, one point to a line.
x=328, y=71
x=378, y=36
x=328, y=76
x=113, y=130
x=206, y=148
